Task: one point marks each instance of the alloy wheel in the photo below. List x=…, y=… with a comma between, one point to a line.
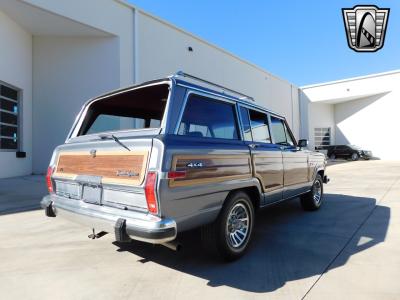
x=237, y=225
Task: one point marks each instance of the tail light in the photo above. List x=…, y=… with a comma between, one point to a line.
x=50, y=171
x=150, y=192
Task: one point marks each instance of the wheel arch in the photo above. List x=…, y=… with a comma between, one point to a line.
x=254, y=193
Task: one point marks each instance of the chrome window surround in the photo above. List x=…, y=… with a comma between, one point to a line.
x=82, y=114
x=198, y=92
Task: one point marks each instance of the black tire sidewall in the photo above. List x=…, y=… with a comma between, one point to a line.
x=307, y=200
x=319, y=178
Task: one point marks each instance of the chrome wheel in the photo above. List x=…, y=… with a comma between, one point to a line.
x=317, y=192
x=237, y=226
x=354, y=156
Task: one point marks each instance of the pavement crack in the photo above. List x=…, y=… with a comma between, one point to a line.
x=351, y=237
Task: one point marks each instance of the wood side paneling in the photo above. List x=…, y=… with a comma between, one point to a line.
x=106, y=164
x=296, y=168
x=269, y=169
x=216, y=168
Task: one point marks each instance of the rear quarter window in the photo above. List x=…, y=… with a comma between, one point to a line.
x=208, y=118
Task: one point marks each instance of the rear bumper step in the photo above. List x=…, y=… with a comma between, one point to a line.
x=124, y=223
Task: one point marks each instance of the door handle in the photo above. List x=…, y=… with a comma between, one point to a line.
x=253, y=146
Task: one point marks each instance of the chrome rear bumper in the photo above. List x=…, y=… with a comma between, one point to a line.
x=135, y=225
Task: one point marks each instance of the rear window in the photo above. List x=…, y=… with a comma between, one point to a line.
x=137, y=109
x=207, y=118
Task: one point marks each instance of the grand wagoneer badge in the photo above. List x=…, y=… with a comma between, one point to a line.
x=124, y=173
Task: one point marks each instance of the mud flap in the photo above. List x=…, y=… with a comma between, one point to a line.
x=120, y=231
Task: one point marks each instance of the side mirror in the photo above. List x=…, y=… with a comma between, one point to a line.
x=302, y=143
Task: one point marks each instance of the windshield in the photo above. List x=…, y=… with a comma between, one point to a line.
x=137, y=109
x=354, y=147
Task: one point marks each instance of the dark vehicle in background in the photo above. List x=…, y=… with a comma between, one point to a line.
x=346, y=151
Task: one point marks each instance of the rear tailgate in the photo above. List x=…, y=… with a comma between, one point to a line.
x=103, y=172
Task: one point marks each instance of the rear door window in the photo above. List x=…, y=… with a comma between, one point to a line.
x=208, y=118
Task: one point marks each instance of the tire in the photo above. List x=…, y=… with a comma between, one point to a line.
x=311, y=201
x=332, y=157
x=355, y=157
x=222, y=237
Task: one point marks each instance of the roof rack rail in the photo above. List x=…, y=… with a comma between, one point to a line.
x=183, y=74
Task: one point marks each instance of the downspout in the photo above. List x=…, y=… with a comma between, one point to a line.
x=135, y=46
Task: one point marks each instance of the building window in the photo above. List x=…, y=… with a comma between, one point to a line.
x=322, y=136
x=9, y=121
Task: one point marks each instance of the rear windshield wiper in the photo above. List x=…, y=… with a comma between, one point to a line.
x=115, y=139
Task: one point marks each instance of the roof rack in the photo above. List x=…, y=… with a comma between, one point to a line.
x=186, y=75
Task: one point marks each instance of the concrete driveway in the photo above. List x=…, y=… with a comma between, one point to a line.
x=349, y=249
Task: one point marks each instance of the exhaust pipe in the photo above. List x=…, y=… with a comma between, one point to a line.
x=173, y=245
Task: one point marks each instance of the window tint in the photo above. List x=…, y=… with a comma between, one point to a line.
x=208, y=118
x=259, y=126
x=136, y=109
x=115, y=123
x=278, y=131
x=244, y=115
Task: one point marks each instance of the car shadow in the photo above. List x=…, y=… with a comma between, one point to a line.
x=288, y=244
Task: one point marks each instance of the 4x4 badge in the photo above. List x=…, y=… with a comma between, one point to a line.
x=195, y=165
x=365, y=27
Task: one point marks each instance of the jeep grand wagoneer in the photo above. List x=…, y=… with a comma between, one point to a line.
x=166, y=156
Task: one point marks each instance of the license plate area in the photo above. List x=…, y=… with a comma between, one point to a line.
x=92, y=194
x=68, y=189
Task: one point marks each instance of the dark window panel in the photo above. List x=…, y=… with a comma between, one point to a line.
x=8, y=130
x=9, y=92
x=8, y=118
x=8, y=105
x=259, y=126
x=8, y=144
x=208, y=118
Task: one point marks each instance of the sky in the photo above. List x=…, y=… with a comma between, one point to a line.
x=303, y=42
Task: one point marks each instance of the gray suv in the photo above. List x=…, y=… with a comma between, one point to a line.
x=153, y=160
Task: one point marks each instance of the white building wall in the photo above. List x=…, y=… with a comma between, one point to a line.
x=365, y=111
x=111, y=16
x=163, y=49
x=371, y=123
x=67, y=72
x=16, y=69
x=72, y=50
